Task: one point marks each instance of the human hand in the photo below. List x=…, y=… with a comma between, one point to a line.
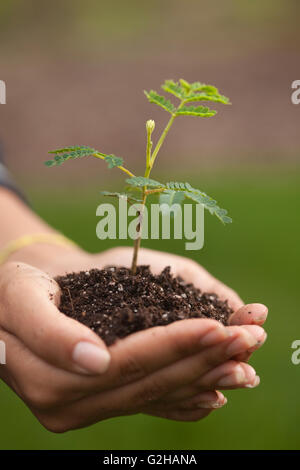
x=69, y=379
x=248, y=316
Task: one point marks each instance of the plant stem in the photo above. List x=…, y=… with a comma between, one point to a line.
x=122, y=168
x=150, y=159
x=162, y=138
x=148, y=154
x=164, y=134
x=137, y=241
x=155, y=191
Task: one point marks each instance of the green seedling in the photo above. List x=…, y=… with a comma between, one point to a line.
x=170, y=192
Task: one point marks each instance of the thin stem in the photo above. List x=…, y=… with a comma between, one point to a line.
x=137, y=242
x=148, y=153
x=150, y=159
x=162, y=138
x=154, y=191
x=164, y=134
x=122, y=168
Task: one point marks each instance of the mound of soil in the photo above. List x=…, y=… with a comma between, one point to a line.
x=114, y=303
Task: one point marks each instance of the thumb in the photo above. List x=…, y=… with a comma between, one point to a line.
x=250, y=314
x=29, y=310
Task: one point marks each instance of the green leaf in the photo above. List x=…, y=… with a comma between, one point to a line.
x=113, y=161
x=200, y=197
x=176, y=186
x=161, y=101
x=198, y=86
x=174, y=88
x=216, y=98
x=67, y=153
x=209, y=204
x=141, y=181
x=120, y=196
x=171, y=197
x=50, y=163
x=73, y=148
x=185, y=85
x=201, y=111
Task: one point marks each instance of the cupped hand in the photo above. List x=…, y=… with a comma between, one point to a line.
x=69, y=378
x=243, y=315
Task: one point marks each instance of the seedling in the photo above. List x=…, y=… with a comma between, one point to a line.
x=186, y=93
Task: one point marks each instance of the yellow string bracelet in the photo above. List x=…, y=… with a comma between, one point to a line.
x=27, y=240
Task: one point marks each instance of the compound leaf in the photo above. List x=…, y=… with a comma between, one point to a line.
x=141, y=181
x=161, y=101
x=72, y=148
x=171, y=197
x=201, y=111
x=194, y=91
x=174, y=88
x=113, y=161
x=200, y=197
x=216, y=98
x=198, y=86
x=186, y=86
x=67, y=153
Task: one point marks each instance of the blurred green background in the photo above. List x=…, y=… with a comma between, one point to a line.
x=75, y=72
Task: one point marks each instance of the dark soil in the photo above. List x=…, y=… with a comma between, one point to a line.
x=114, y=303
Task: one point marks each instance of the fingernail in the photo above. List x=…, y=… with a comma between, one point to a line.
x=240, y=344
x=260, y=318
x=212, y=404
x=255, y=383
x=91, y=358
x=214, y=336
x=235, y=378
x=262, y=340
x=259, y=343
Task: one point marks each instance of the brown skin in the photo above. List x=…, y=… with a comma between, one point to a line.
x=170, y=371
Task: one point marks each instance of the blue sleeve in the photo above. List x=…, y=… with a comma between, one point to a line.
x=7, y=181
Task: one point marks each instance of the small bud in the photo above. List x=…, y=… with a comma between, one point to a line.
x=150, y=125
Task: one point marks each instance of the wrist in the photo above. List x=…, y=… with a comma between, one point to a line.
x=45, y=250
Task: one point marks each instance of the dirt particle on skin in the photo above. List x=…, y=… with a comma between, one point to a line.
x=144, y=301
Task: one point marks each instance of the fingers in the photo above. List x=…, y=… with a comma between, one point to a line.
x=189, y=370
x=43, y=385
x=203, y=400
x=28, y=310
x=135, y=397
x=193, y=409
x=179, y=415
x=198, y=399
x=251, y=314
x=227, y=376
x=145, y=352
x=259, y=333
x=230, y=375
x=38, y=383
